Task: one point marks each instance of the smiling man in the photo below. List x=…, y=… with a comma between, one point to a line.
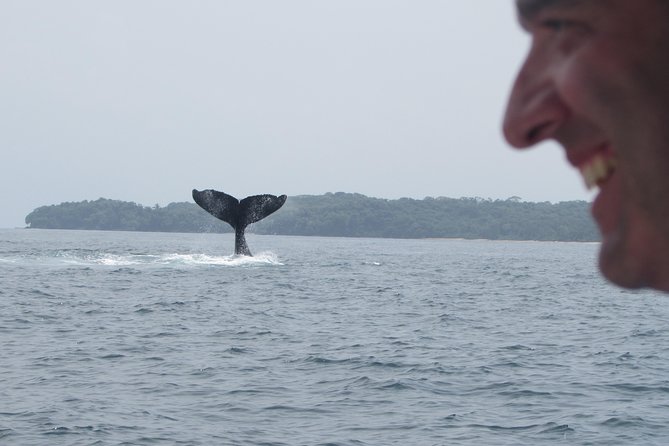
x=596, y=80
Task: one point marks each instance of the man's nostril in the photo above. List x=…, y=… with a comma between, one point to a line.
x=537, y=133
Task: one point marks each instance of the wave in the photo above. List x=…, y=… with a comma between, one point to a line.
x=186, y=259
x=102, y=258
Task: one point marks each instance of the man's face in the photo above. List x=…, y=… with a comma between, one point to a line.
x=596, y=80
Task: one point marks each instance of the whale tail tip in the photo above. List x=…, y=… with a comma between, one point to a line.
x=236, y=213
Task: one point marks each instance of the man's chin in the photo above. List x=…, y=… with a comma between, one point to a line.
x=618, y=265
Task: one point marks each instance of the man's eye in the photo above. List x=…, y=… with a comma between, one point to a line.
x=556, y=25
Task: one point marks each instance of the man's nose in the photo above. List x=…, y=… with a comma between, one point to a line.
x=534, y=111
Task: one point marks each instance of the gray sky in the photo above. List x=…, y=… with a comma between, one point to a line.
x=145, y=100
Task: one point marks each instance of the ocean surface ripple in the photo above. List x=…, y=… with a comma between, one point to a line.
x=119, y=338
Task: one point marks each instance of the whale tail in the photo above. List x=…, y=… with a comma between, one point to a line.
x=238, y=214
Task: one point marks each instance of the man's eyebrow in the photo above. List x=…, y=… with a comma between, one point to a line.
x=529, y=9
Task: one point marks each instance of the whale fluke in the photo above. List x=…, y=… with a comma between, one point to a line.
x=238, y=214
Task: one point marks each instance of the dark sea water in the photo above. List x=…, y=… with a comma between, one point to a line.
x=118, y=338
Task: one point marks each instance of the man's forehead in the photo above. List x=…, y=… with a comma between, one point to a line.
x=529, y=9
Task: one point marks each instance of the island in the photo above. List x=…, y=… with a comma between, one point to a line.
x=344, y=215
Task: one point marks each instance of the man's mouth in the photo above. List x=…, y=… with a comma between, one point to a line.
x=597, y=169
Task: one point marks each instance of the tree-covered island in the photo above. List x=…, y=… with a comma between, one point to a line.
x=344, y=215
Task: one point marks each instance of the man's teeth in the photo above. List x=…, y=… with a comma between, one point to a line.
x=598, y=169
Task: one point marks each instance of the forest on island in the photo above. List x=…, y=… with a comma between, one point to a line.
x=344, y=215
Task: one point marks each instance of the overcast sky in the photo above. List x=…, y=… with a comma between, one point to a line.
x=143, y=101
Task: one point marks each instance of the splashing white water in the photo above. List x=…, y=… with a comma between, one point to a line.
x=231, y=260
x=170, y=259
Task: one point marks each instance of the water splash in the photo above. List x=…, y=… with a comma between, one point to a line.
x=103, y=258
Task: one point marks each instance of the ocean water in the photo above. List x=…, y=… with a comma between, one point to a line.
x=119, y=338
